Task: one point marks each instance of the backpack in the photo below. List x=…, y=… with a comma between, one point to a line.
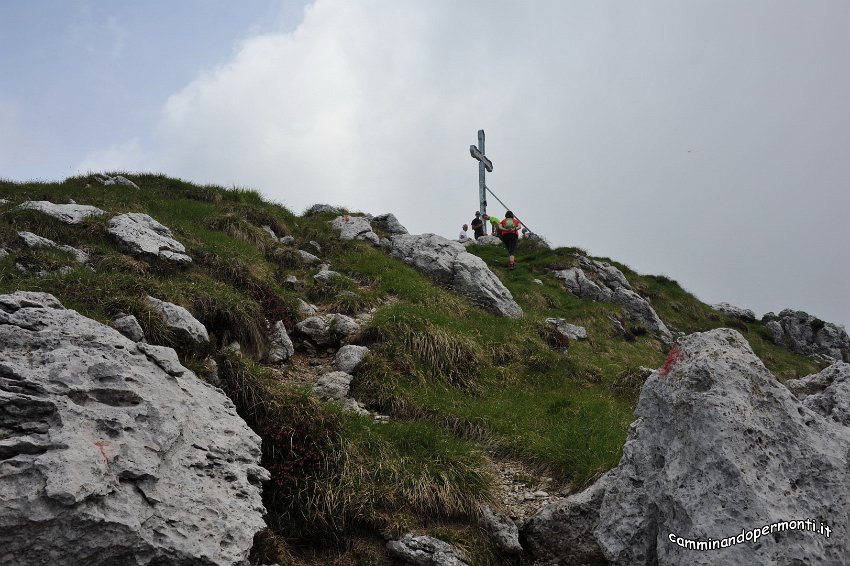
x=509, y=225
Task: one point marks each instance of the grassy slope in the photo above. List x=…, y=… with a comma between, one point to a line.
x=457, y=381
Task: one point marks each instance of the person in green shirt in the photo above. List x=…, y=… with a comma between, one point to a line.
x=495, y=224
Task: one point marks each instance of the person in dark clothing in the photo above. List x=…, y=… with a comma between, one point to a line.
x=510, y=227
x=477, y=225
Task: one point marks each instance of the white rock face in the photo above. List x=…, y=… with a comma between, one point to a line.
x=67, y=213
x=281, y=347
x=501, y=530
x=389, y=223
x=349, y=357
x=34, y=241
x=611, y=286
x=720, y=447
x=738, y=312
x=187, y=329
x=448, y=263
x=105, y=458
x=117, y=180
x=827, y=393
x=805, y=334
x=486, y=241
x=354, y=228
x=426, y=551
x=142, y=235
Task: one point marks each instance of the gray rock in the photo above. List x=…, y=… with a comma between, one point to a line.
x=501, y=530
x=3, y=253
x=288, y=240
x=321, y=209
x=187, y=330
x=109, y=459
x=805, y=334
x=720, y=446
x=326, y=275
x=349, y=357
x=537, y=281
x=291, y=281
x=562, y=532
x=342, y=325
x=327, y=330
x=567, y=330
x=448, y=263
x=737, y=312
x=309, y=258
x=67, y=213
x=389, y=223
x=268, y=230
x=3, y=202
x=280, y=345
x=333, y=385
x=315, y=245
x=487, y=241
x=166, y=358
x=142, y=235
x=306, y=309
x=352, y=405
x=354, y=228
x=117, y=180
x=827, y=393
x=129, y=327
x=426, y=551
x=212, y=371
x=33, y=241
x=611, y=286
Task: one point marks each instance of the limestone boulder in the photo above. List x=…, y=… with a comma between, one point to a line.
x=349, y=357
x=321, y=209
x=280, y=344
x=805, y=334
x=746, y=315
x=720, y=447
x=448, y=263
x=107, y=458
x=426, y=551
x=354, y=228
x=327, y=330
x=567, y=330
x=142, y=235
x=389, y=223
x=67, y=213
x=333, y=385
x=117, y=180
x=308, y=258
x=187, y=329
x=827, y=393
x=129, y=326
x=34, y=241
x=501, y=529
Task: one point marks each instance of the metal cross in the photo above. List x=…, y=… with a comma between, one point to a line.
x=483, y=163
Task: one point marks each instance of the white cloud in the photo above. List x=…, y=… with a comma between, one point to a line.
x=670, y=136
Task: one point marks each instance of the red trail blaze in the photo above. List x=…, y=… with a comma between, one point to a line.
x=674, y=357
x=100, y=444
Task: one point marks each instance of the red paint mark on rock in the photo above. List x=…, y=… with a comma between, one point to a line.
x=100, y=444
x=674, y=357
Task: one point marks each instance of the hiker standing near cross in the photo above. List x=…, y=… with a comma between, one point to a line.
x=483, y=163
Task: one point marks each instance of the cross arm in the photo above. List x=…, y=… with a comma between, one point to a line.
x=475, y=153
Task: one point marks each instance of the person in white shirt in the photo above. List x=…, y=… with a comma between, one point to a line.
x=462, y=236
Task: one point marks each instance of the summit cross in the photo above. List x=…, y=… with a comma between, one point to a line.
x=483, y=163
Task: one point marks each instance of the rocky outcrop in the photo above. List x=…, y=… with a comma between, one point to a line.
x=107, y=458
x=562, y=533
x=827, y=393
x=142, y=235
x=448, y=263
x=805, y=334
x=280, y=345
x=116, y=180
x=744, y=314
x=34, y=241
x=608, y=284
x=129, y=326
x=354, y=228
x=333, y=385
x=389, y=223
x=426, y=551
x=327, y=330
x=720, y=447
x=566, y=330
x=67, y=213
x=186, y=329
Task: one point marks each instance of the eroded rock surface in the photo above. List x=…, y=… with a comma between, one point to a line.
x=426, y=551
x=35, y=241
x=567, y=330
x=738, y=312
x=142, y=235
x=827, y=393
x=67, y=213
x=280, y=344
x=349, y=357
x=106, y=458
x=354, y=228
x=389, y=223
x=720, y=447
x=608, y=284
x=805, y=334
x=501, y=530
x=448, y=263
x=187, y=329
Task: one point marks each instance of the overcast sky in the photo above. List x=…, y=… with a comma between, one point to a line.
x=707, y=141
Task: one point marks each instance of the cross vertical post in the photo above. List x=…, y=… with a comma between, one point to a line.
x=483, y=164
